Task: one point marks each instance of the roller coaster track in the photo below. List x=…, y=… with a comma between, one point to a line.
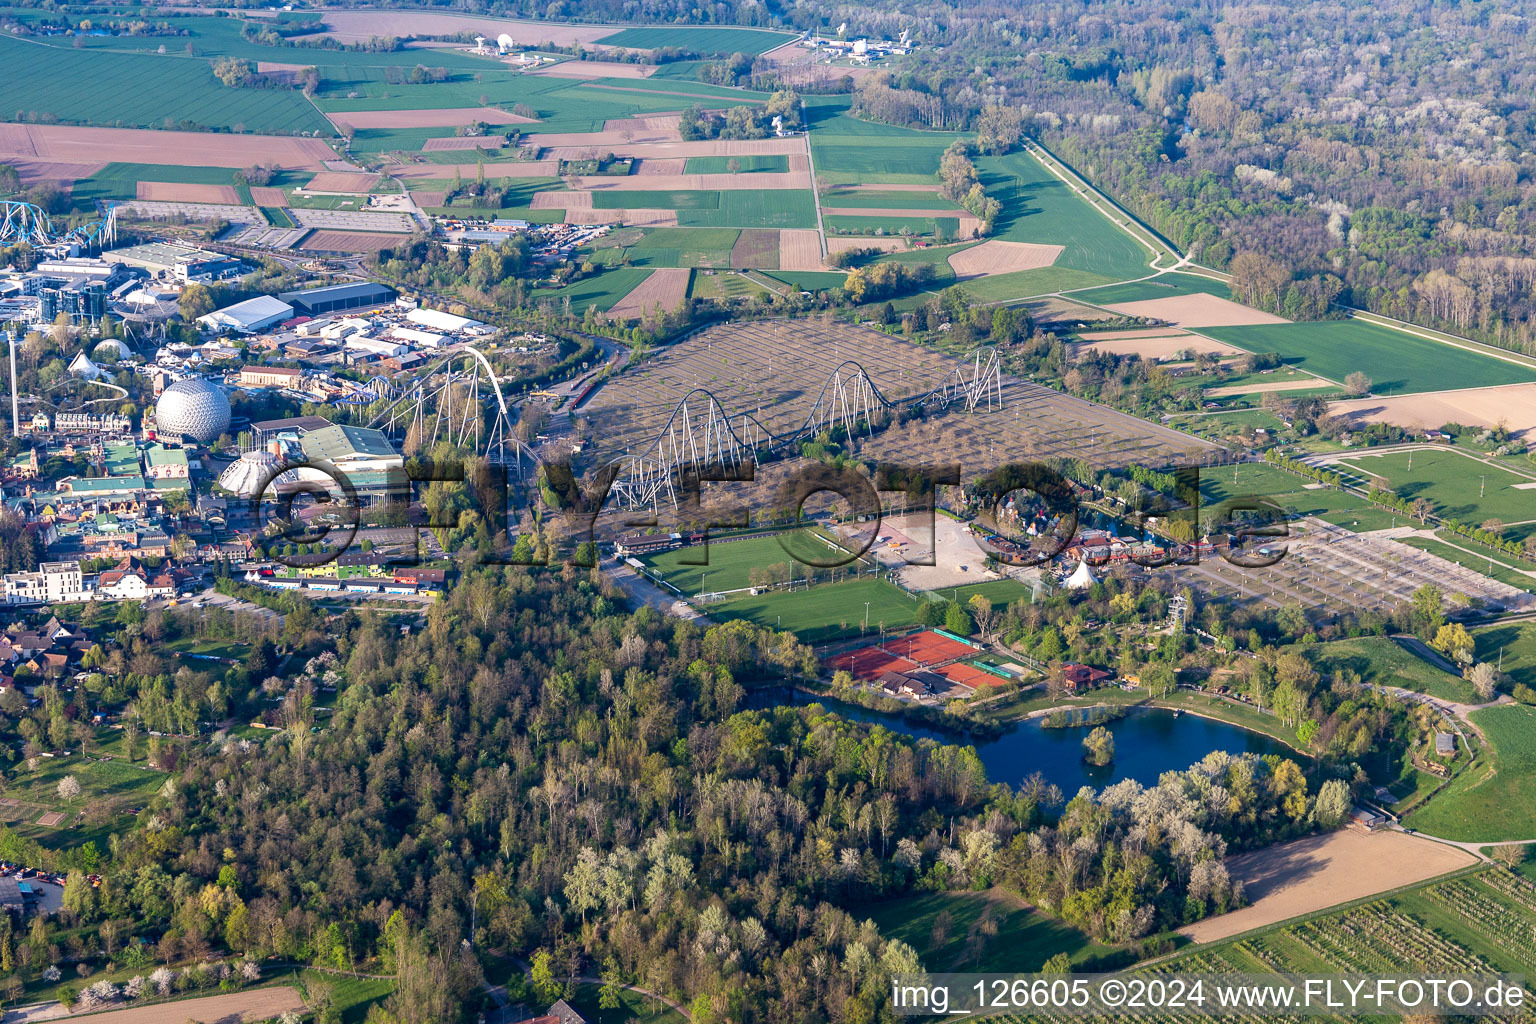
x=24, y=222
x=701, y=434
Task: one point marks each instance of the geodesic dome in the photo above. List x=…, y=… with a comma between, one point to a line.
x=193, y=407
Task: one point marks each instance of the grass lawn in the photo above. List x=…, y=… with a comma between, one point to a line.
x=999, y=592
x=1255, y=479
x=1022, y=284
x=1496, y=798
x=808, y=280
x=1397, y=363
x=826, y=612
x=1380, y=660
x=773, y=163
x=683, y=247
x=351, y=996
x=1160, y=287
x=633, y=1007
x=703, y=40
x=1462, y=487
x=1512, y=647
x=1464, y=554
x=38, y=792
x=1024, y=940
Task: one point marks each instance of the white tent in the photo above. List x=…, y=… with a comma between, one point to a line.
x=1082, y=577
x=81, y=366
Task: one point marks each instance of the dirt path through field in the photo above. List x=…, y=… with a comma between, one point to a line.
x=1260, y=389
x=1307, y=875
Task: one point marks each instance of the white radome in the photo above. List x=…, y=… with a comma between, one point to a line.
x=192, y=407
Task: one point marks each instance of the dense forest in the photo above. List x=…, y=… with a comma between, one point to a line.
x=587, y=789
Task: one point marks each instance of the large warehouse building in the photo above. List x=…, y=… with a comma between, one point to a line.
x=247, y=317
x=182, y=262
x=335, y=298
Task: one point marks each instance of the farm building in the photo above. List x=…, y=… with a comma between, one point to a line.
x=337, y=297
x=249, y=316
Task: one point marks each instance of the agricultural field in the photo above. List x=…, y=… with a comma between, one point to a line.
x=1160, y=287
x=779, y=208
x=946, y=929
x=763, y=163
x=942, y=228
x=1039, y=207
x=725, y=285
x=1461, y=486
x=705, y=41
x=1495, y=798
x=1397, y=363
x=1467, y=924
x=602, y=290
x=132, y=90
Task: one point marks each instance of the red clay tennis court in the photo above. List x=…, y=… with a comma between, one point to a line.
x=967, y=675
x=901, y=654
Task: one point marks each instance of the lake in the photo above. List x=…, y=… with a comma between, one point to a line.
x=1148, y=742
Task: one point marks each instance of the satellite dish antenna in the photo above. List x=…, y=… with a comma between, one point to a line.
x=480, y=42
x=504, y=42
x=842, y=28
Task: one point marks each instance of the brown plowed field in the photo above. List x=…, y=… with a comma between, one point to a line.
x=1513, y=405
x=1158, y=332
x=756, y=248
x=177, y=192
x=837, y=243
x=444, y=172
x=1308, y=384
x=266, y=195
x=61, y=144
x=709, y=182
x=799, y=249
x=594, y=69
x=1290, y=879
x=1198, y=310
x=468, y=142
x=568, y=146
x=656, y=168
x=882, y=211
x=633, y=218
x=341, y=181
x=665, y=287
x=561, y=201
x=62, y=174
x=444, y=117
x=350, y=241
x=996, y=257
x=426, y=198
x=253, y=1005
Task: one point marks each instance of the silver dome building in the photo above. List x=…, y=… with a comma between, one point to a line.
x=192, y=407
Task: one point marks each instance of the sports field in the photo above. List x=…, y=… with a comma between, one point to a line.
x=1397, y=363
x=825, y=612
x=728, y=561
x=702, y=40
x=1461, y=487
